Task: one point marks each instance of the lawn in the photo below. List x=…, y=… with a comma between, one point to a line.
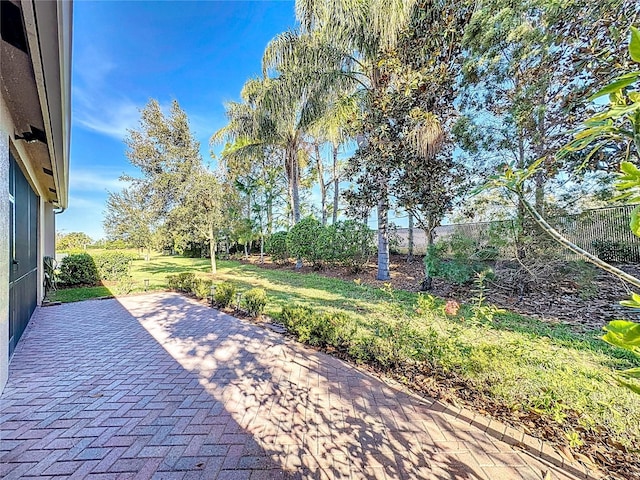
x=540, y=373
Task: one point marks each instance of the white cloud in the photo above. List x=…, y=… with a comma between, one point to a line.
x=96, y=106
x=111, y=116
x=86, y=181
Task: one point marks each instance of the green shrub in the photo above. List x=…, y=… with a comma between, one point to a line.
x=224, y=294
x=254, y=301
x=612, y=251
x=276, y=246
x=183, y=282
x=114, y=265
x=321, y=329
x=78, y=269
x=201, y=287
x=125, y=285
x=302, y=241
x=347, y=243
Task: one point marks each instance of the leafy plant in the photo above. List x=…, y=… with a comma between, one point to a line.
x=318, y=328
x=183, y=282
x=125, y=285
x=302, y=240
x=78, y=269
x=225, y=292
x=201, y=287
x=114, y=265
x=254, y=301
x=48, y=264
x=276, y=246
x=613, y=251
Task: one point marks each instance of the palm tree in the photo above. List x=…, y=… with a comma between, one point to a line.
x=346, y=39
x=276, y=112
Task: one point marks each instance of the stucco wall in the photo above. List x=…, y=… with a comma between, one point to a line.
x=4, y=252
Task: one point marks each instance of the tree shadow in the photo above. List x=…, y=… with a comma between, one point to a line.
x=91, y=386
x=314, y=415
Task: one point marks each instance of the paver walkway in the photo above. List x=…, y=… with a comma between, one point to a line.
x=160, y=386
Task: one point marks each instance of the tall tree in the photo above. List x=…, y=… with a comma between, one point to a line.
x=346, y=40
x=528, y=66
x=205, y=209
x=274, y=113
x=165, y=151
x=359, y=40
x=130, y=218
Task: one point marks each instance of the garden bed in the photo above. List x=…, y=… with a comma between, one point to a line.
x=572, y=293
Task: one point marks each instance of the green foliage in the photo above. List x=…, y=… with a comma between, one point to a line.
x=254, y=301
x=182, y=282
x=201, y=287
x=72, y=241
x=225, y=292
x=625, y=334
x=48, y=264
x=348, y=243
x=125, y=285
x=302, y=240
x=459, y=269
x=615, y=251
x=78, y=269
x=276, y=246
x=114, y=265
x=322, y=329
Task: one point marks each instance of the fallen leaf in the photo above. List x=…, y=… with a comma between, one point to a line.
x=566, y=453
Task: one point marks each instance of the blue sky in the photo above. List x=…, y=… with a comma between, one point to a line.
x=124, y=53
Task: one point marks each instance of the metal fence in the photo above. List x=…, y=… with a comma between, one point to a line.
x=604, y=232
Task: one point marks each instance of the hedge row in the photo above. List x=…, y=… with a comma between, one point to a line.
x=86, y=269
x=346, y=243
x=253, y=301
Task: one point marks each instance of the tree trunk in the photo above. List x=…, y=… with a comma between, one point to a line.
x=383, y=236
x=539, y=178
x=261, y=248
x=270, y=216
x=323, y=187
x=336, y=184
x=294, y=183
x=520, y=237
x=428, y=279
x=212, y=247
x=410, y=256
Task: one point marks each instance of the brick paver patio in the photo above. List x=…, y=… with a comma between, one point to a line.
x=160, y=386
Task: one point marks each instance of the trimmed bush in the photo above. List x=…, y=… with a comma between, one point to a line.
x=302, y=241
x=276, y=246
x=78, y=269
x=114, y=265
x=254, y=301
x=224, y=294
x=352, y=244
x=321, y=329
x=183, y=282
x=201, y=287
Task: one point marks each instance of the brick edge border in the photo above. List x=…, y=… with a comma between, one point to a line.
x=514, y=437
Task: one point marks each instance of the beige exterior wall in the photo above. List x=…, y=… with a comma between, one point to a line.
x=4, y=249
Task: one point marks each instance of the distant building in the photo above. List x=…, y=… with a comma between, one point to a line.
x=35, y=124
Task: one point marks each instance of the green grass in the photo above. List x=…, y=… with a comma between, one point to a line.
x=521, y=363
x=66, y=295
